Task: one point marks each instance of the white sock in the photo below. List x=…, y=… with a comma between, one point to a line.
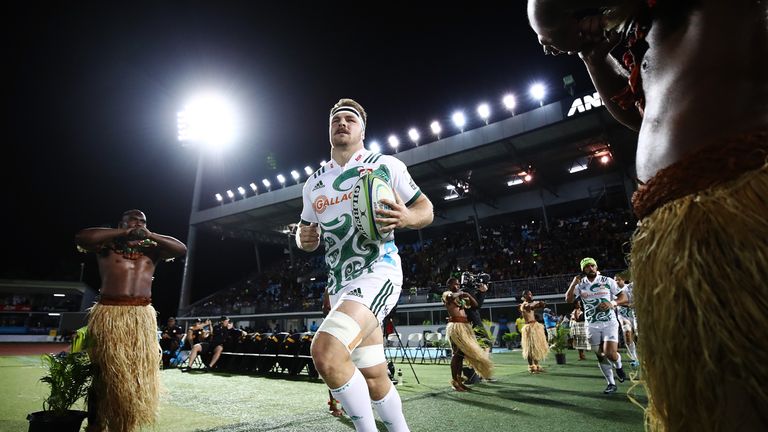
x=390, y=409
x=632, y=350
x=617, y=363
x=607, y=369
x=356, y=401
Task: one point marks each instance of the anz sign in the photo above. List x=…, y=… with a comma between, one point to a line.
x=585, y=103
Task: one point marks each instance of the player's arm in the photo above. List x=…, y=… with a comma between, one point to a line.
x=168, y=246
x=92, y=238
x=308, y=236
x=570, y=295
x=470, y=298
x=416, y=215
x=307, y=230
x=622, y=299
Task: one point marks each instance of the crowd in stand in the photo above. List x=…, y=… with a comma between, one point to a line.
x=507, y=250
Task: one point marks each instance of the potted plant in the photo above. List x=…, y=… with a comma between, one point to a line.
x=69, y=378
x=560, y=343
x=510, y=338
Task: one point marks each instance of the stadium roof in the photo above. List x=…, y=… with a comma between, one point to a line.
x=547, y=140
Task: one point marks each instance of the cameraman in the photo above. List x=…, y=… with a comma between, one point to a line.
x=477, y=290
x=221, y=333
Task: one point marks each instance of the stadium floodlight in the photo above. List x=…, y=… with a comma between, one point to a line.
x=254, y=188
x=515, y=181
x=604, y=159
x=538, y=91
x=208, y=119
x=54, y=314
x=308, y=170
x=413, y=134
x=484, y=111
x=374, y=147
x=219, y=198
x=323, y=162
x=528, y=178
x=230, y=194
x=436, y=128
x=59, y=295
x=295, y=175
x=281, y=179
x=241, y=190
x=393, y=142
x=459, y=120
x=509, y=102
x=266, y=184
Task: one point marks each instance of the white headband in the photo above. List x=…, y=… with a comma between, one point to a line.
x=348, y=109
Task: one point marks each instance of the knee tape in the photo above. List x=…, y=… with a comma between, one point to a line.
x=367, y=356
x=344, y=328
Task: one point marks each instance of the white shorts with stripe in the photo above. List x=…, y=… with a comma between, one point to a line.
x=375, y=290
x=605, y=331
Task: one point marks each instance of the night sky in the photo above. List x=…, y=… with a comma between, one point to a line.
x=94, y=90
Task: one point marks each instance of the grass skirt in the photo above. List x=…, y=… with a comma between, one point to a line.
x=579, y=335
x=699, y=265
x=534, y=342
x=462, y=337
x=124, y=348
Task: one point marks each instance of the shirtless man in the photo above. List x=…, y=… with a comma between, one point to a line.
x=462, y=336
x=697, y=94
x=122, y=324
x=534, y=339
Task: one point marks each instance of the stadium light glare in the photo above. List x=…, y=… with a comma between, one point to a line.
x=281, y=179
x=208, y=119
x=459, y=120
x=604, y=159
x=266, y=183
x=374, y=147
x=579, y=165
x=254, y=188
x=509, y=102
x=436, y=128
x=230, y=194
x=538, y=92
x=241, y=190
x=308, y=170
x=323, y=162
x=528, y=178
x=515, y=181
x=413, y=134
x=295, y=175
x=59, y=295
x=484, y=111
x=393, y=142
x=219, y=198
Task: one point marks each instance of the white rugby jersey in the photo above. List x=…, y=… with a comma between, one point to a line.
x=627, y=311
x=327, y=198
x=602, y=289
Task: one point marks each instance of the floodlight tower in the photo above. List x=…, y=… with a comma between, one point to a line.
x=207, y=122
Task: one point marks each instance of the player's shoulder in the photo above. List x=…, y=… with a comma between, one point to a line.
x=388, y=160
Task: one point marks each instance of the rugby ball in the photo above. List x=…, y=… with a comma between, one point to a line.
x=366, y=194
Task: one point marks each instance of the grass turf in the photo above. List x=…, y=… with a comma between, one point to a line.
x=564, y=398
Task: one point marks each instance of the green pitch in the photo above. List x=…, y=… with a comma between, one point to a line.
x=564, y=398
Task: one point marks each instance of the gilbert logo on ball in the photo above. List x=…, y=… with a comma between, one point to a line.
x=366, y=194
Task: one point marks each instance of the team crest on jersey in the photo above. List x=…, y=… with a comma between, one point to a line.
x=363, y=171
x=319, y=185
